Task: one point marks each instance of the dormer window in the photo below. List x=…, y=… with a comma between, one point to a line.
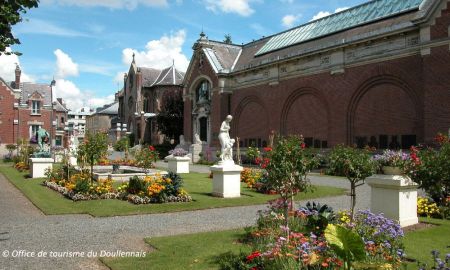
x=35, y=107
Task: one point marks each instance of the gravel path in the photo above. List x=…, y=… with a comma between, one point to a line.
x=24, y=227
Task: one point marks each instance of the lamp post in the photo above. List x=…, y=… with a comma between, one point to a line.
x=52, y=84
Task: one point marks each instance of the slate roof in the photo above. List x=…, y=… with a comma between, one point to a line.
x=222, y=56
x=149, y=76
x=109, y=109
x=29, y=88
x=59, y=107
x=169, y=76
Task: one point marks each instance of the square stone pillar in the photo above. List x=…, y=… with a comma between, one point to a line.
x=395, y=196
x=226, y=180
x=178, y=164
x=39, y=165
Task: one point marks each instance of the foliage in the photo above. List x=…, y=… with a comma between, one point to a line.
x=145, y=157
x=391, y=158
x=178, y=152
x=355, y=164
x=318, y=216
x=289, y=163
x=11, y=148
x=250, y=176
x=21, y=166
x=122, y=145
x=136, y=185
x=170, y=118
x=430, y=168
x=25, y=150
x=93, y=148
x=438, y=263
x=252, y=153
x=227, y=39
x=163, y=149
x=11, y=14
x=426, y=207
x=347, y=244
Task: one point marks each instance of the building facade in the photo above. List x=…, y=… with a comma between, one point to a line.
x=26, y=107
x=376, y=74
x=140, y=100
x=100, y=121
x=76, y=123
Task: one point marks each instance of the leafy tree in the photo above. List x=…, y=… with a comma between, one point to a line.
x=170, y=119
x=356, y=165
x=11, y=14
x=227, y=39
x=288, y=165
x=94, y=147
x=145, y=157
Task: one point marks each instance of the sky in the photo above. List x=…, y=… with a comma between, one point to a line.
x=87, y=45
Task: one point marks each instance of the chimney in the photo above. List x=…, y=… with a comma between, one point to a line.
x=17, y=81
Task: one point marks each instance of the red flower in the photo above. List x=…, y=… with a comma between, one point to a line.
x=254, y=255
x=267, y=149
x=151, y=148
x=303, y=145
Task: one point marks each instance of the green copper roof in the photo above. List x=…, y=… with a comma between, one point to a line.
x=358, y=15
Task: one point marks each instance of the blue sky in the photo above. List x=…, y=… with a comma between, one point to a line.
x=87, y=44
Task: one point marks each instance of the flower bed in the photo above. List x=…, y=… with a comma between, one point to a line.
x=151, y=189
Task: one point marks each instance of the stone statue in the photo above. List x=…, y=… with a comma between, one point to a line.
x=226, y=143
x=197, y=139
x=182, y=141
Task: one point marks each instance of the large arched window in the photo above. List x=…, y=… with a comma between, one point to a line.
x=202, y=93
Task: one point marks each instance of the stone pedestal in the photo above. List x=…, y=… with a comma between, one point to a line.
x=39, y=165
x=178, y=164
x=195, y=150
x=395, y=196
x=226, y=180
x=72, y=161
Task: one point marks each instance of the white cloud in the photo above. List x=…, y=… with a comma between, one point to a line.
x=65, y=66
x=159, y=53
x=113, y=4
x=289, y=20
x=241, y=7
x=259, y=29
x=36, y=26
x=8, y=67
x=322, y=14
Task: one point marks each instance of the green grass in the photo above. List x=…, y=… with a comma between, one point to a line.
x=198, y=251
x=192, y=251
x=420, y=243
x=197, y=185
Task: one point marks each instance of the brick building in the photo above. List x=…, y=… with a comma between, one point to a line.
x=26, y=107
x=141, y=97
x=376, y=74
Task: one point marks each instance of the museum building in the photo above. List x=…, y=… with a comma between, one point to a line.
x=375, y=74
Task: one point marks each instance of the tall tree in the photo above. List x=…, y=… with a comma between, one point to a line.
x=10, y=14
x=227, y=39
x=170, y=119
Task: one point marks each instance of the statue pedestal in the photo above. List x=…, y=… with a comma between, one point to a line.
x=39, y=165
x=226, y=180
x=178, y=164
x=195, y=150
x=395, y=196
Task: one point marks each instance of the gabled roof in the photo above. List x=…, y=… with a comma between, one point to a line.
x=59, y=107
x=356, y=16
x=169, y=76
x=221, y=56
x=29, y=89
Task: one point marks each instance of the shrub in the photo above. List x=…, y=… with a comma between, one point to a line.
x=250, y=177
x=430, y=168
x=163, y=149
x=252, y=153
x=318, y=216
x=426, y=207
x=79, y=183
x=391, y=158
x=122, y=145
x=136, y=185
x=93, y=148
x=146, y=156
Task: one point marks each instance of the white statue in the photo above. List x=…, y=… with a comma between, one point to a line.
x=197, y=139
x=226, y=142
x=182, y=141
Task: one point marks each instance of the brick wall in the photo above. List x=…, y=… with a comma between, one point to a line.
x=7, y=113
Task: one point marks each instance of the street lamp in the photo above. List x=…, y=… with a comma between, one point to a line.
x=52, y=84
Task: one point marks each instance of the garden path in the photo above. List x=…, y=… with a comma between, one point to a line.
x=24, y=227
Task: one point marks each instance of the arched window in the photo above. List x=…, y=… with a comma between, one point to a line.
x=202, y=94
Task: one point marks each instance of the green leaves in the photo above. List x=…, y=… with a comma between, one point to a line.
x=347, y=244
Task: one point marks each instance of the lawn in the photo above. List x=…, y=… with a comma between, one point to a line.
x=197, y=185
x=199, y=251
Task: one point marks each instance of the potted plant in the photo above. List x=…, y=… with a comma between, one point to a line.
x=179, y=161
x=391, y=162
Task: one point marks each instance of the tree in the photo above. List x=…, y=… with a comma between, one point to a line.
x=227, y=39
x=288, y=165
x=170, y=119
x=94, y=147
x=10, y=14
